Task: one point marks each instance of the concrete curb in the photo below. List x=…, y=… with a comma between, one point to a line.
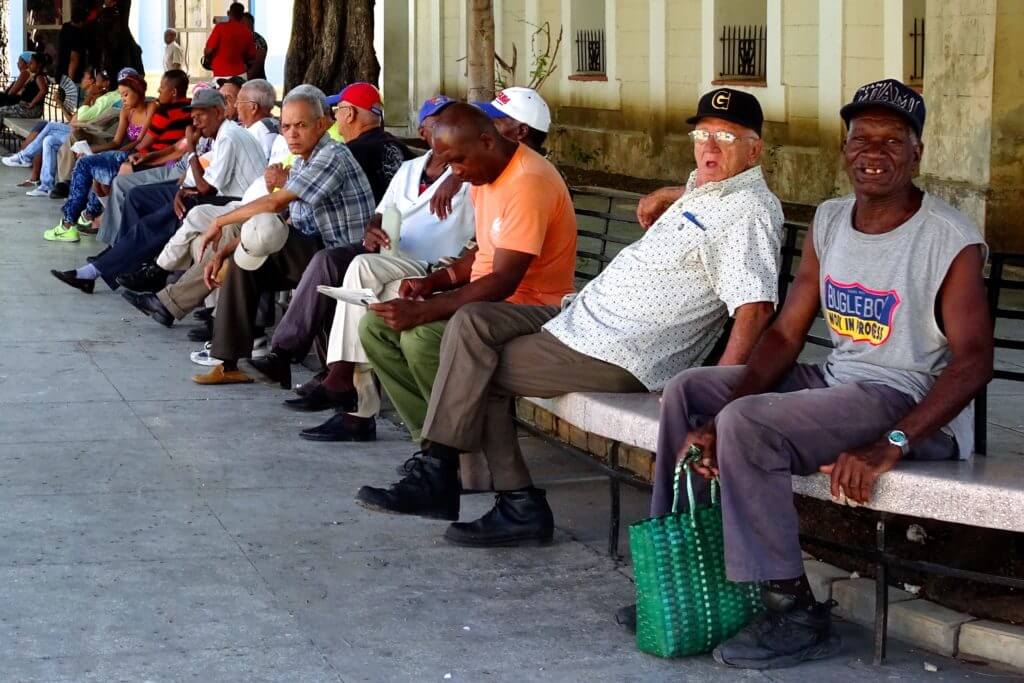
x=918, y=622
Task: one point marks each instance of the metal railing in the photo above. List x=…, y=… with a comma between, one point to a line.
x=744, y=53
x=917, y=45
x=590, y=51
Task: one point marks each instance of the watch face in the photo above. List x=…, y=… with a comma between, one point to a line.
x=897, y=438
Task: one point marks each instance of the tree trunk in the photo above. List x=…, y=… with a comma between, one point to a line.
x=480, y=75
x=4, y=19
x=331, y=45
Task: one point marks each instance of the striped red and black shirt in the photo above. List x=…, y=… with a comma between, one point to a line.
x=168, y=124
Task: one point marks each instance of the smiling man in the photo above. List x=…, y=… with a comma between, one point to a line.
x=656, y=309
x=897, y=275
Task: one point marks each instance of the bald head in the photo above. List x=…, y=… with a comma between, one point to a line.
x=465, y=138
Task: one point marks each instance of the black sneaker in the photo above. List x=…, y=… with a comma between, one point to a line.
x=201, y=333
x=783, y=635
x=148, y=278
x=517, y=518
x=60, y=191
x=431, y=489
x=203, y=314
x=343, y=427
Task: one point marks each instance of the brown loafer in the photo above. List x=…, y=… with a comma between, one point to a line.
x=218, y=375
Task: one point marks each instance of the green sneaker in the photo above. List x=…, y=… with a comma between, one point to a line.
x=59, y=233
x=84, y=221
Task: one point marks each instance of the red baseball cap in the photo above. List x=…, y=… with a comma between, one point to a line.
x=362, y=95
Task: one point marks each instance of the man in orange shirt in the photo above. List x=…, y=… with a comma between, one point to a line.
x=231, y=47
x=526, y=236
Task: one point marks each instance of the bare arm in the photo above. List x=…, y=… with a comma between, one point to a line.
x=122, y=130
x=509, y=269
x=748, y=324
x=43, y=87
x=969, y=333
x=650, y=207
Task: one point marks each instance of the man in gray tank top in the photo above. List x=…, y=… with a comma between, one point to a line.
x=897, y=274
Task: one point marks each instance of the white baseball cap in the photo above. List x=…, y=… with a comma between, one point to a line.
x=524, y=105
x=261, y=236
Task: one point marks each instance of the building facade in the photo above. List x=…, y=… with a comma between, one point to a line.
x=628, y=73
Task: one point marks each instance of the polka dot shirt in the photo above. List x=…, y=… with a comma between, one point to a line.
x=659, y=306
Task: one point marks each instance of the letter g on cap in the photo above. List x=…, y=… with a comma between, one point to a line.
x=720, y=100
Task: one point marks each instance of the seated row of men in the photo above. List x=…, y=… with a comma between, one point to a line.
x=476, y=307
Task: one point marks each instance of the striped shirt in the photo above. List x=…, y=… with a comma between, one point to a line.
x=168, y=124
x=334, y=196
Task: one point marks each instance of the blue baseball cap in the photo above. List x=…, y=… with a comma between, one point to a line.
x=333, y=99
x=434, y=106
x=489, y=109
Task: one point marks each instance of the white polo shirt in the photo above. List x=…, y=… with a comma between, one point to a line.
x=659, y=306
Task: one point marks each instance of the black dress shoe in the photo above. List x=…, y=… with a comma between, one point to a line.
x=273, y=369
x=92, y=259
x=148, y=303
x=784, y=635
x=202, y=333
x=431, y=489
x=343, y=427
x=322, y=398
x=517, y=518
x=60, y=191
x=313, y=383
x=69, y=277
x=148, y=278
x=203, y=314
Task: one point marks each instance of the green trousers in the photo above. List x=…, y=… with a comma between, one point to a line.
x=406, y=364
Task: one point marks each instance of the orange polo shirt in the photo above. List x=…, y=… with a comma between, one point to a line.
x=528, y=209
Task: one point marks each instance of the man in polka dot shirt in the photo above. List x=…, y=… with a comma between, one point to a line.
x=712, y=250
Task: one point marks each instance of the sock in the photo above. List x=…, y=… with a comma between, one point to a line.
x=339, y=377
x=442, y=452
x=87, y=272
x=799, y=588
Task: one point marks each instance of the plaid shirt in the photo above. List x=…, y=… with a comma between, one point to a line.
x=334, y=197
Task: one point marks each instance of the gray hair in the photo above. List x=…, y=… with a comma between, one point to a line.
x=311, y=95
x=261, y=92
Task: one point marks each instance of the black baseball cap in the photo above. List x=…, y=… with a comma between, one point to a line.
x=730, y=105
x=887, y=94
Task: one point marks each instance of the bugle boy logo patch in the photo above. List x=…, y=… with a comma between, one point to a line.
x=862, y=314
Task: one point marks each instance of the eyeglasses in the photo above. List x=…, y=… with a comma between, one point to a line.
x=722, y=137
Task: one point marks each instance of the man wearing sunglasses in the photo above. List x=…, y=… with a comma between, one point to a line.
x=657, y=309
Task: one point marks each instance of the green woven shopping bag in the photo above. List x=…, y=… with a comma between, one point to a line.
x=684, y=604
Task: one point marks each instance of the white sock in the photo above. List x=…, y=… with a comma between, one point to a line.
x=87, y=272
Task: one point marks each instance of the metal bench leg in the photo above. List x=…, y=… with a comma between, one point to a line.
x=615, y=506
x=881, y=592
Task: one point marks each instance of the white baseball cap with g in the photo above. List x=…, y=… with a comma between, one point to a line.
x=524, y=105
x=261, y=236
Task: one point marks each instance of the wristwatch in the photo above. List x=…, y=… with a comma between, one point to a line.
x=900, y=440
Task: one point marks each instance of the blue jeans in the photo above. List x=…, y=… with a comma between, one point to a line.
x=103, y=169
x=51, y=147
x=52, y=129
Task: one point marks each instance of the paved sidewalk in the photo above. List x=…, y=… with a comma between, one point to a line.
x=153, y=529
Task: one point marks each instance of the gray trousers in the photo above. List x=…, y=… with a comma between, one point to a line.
x=310, y=313
x=761, y=441
x=491, y=353
x=110, y=226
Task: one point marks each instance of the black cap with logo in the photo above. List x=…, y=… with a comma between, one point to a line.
x=887, y=94
x=730, y=105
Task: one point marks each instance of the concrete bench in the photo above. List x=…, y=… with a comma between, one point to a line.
x=13, y=131
x=986, y=492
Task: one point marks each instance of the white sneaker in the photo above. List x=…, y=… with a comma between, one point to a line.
x=15, y=161
x=203, y=357
x=260, y=347
x=37, y=192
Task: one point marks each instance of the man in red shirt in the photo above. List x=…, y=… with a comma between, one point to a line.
x=231, y=46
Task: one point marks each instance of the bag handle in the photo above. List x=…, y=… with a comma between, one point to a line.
x=693, y=454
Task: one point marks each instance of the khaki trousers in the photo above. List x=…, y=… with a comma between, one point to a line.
x=190, y=291
x=491, y=353
x=181, y=251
